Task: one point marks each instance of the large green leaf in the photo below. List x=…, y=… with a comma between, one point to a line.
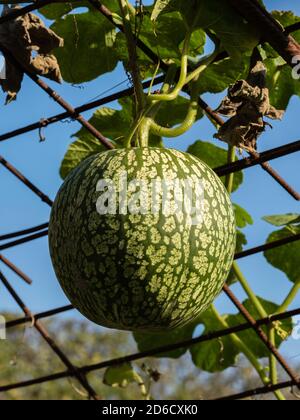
x=214, y=355
x=283, y=219
x=220, y=17
x=220, y=354
x=89, y=46
x=286, y=258
x=159, y=7
x=57, y=10
x=250, y=338
x=281, y=83
x=150, y=341
x=218, y=76
x=243, y=218
x=214, y=157
x=166, y=41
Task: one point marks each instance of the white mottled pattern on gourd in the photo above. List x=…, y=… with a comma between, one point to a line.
x=140, y=272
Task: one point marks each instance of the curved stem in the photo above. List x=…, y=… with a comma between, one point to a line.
x=182, y=78
x=252, y=296
x=230, y=177
x=185, y=125
x=290, y=298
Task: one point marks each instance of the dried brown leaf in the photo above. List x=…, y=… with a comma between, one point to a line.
x=30, y=42
x=247, y=103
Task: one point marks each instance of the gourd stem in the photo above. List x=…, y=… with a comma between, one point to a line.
x=142, y=125
x=186, y=124
x=171, y=96
x=244, y=283
x=230, y=177
x=290, y=298
x=252, y=296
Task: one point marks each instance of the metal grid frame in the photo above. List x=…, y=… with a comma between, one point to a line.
x=287, y=47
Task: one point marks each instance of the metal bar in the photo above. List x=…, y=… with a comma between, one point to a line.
x=25, y=181
x=258, y=391
x=295, y=378
x=57, y=98
x=267, y=247
x=45, y=122
x=249, y=162
x=149, y=353
x=272, y=32
x=15, y=269
x=23, y=232
x=24, y=240
x=45, y=335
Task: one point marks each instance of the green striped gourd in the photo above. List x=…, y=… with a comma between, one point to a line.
x=142, y=272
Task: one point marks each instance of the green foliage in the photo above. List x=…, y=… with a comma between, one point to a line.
x=286, y=258
x=150, y=341
x=115, y=125
x=250, y=338
x=89, y=46
x=243, y=218
x=119, y=376
x=214, y=355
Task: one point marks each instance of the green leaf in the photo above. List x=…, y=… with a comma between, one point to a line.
x=214, y=355
x=159, y=7
x=250, y=338
x=283, y=219
x=57, y=10
x=285, y=258
x=167, y=42
x=220, y=354
x=150, y=341
x=281, y=83
x=218, y=76
x=89, y=46
x=243, y=218
x=221, y=18
x=214, y=157
x=119, y=376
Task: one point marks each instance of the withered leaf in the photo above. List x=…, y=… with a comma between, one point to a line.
x=28, y=40
x=247, y=104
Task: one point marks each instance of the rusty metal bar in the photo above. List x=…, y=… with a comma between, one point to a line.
x=150, y=353
x=23, y=232
x=259, y=331
x=258, y=391
x=44, y=333
x=57, y=98
x=15, y=269
x=25, y=181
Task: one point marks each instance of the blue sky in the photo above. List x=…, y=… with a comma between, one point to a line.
x=40, y=162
